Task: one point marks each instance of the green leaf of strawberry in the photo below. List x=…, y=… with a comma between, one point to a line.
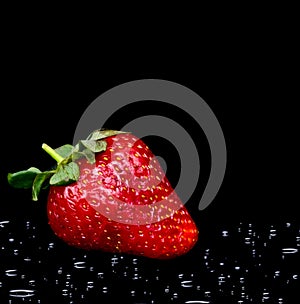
x=109, y=193
x=38, y=183
x=103, y=133
x=64, y=151
x=86, y=153
x=23, y=179
x=94, y=145
x=65, y=174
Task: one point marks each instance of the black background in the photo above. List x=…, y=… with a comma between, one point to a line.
x=246, y=74
x=244, y=67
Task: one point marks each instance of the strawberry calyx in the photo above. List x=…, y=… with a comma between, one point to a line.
x=66, y=170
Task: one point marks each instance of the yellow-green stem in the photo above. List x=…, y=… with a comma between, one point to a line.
x=52, y=153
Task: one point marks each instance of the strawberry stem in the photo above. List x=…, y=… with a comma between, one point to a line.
x=52, y=153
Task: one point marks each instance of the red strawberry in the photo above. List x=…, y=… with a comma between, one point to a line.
x=116, y=198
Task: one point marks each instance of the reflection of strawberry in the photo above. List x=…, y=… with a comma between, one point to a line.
x=110, y=193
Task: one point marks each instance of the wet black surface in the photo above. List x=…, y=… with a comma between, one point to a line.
x=240, y=262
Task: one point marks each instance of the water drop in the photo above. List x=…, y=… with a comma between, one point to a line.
x=207, y=294
x=187, y=283
x=105, y=289
x=225, y=233
x=247, y=240
x=197, y=302
x=277, y=273
x=100, y=275
x=289, y=250
x=273, y=233
x=80, y=265
x=3, y=223
x=50, y=246
x=21, y=293
x=221, y=280
x=64, y=292
x=114, y=261
x=11, y=273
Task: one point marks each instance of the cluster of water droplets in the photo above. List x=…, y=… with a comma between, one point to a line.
x=241, y=263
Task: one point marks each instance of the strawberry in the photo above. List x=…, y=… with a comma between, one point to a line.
x=110, y=193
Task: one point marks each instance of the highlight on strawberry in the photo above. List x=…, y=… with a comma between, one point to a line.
x=109, y=193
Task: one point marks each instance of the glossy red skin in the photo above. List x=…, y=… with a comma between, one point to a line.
x=101, y=210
